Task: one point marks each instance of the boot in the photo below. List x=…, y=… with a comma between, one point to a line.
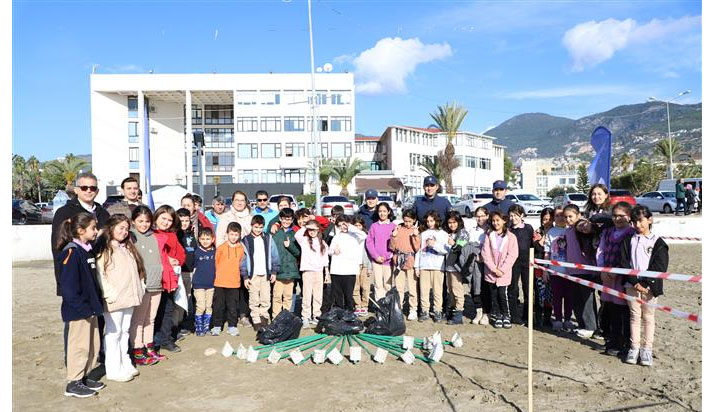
x=198, y=322
x=457, y=319
x=207, y=323
x=151, y=352
x=140, y=359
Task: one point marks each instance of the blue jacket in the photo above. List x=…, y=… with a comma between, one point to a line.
x=422, y=205
x=502, y=205
x=81, y=297
x=268, y=214
x=205, y=263
x=367, y=215
x=272, y=261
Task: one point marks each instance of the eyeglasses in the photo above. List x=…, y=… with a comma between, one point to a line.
x=88, y=188
x=262, y=200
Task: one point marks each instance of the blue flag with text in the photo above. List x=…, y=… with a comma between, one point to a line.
x=599, y=170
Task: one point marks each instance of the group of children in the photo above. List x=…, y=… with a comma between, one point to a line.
x=133, y=278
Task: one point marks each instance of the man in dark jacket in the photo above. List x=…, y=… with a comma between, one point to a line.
x=499, y=201
x=130, y=190
x=680, y=196
x=366, y=211
x=431, y=201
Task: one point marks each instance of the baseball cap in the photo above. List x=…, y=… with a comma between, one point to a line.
x=370, y=193
x=430, y=180
x=499, y=184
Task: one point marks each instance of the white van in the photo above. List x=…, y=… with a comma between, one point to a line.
x=668, y=185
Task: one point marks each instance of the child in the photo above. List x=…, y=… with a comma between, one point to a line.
x=429, y=265
x=203, y=279
x=458, y=238
x=289, y=252
x=377, y=245
x=192, y=203
x=187, y=237
x=141, y=331
x=554, y=249
x=81, y=302
x=499, y=253
x=262, y=264
x=405, y=243
x=331, y=230
x=543, y=306
x=643, y=251
x=346, y=259
x=363, y=282
x=313, y=262
x=616, y=315
x=480, y=294
x=121, y=275
x=524, y=233
x=230, y=263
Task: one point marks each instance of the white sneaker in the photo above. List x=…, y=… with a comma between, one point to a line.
x=412, y=315
x=632, y=356
x=233, y=330
x=477, y=318
x=645, y=357
x=484, y=320
x=313, y=321
x=557, y=326
x=305, y=323
x=120, y=378
x=131, y=370
x=584, y=333
x=568, y=325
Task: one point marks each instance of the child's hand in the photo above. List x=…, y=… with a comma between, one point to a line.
x=336, y=251
x=641, y=289
x=431, y=242
x=247, y=283
x=327, y=279
x=416, y=273
x=274, y=229
x=537, y=236
x=450, y=241
x=173, y=261
x=272, y=277
x=379, y=259
x=416, y=231
x=394, y=232
x=287, y=242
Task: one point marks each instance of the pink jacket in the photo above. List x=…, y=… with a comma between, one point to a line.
x=506, y=258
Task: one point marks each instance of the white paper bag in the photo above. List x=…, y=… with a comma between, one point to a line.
x=437, y=352
x=274, y=356
x=380, y=356
x=407, y=342
x=335, y=356
x=408, y=357
x=241, y=352
x=296, y=356
x=355, y=354
x=319, y=356
x=227, y=350
x=456, y=340
x=180, y=297
x=252, y=355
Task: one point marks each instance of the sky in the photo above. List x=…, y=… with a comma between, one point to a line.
x=497, y=58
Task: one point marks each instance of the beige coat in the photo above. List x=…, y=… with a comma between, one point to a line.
x=231, y=215
x=120, y=283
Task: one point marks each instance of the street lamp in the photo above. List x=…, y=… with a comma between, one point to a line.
x=670, y=169
x=199, y=141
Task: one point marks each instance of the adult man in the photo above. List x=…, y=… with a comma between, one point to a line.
x=366, y=211
x=130, y=190
x=680, y=196
x=262, y=208
x=219, y=205
x=499, y=201
x=430, y=201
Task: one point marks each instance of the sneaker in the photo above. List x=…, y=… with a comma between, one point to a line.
x=132, y=371
x=180, y=336
x=568, y=325
x=305, y=323
x=184, y=331
x=119, y=378
x=498, y=323
x=363, y=312
x=412, y=315
x=477, y=317
x=313, y=321
x=484, y=320
x=233, y=330
x=506, y=324
x=78, y=390
x=584, y=333
x=557, y=326
x=93, y=385
x=151, y=353
x=216, y=331
x=423, y=317
x=437, y=317
x=598, y=335
x=645, y=357
x=244, y=321
x=632, y=356
x=171, y=347
x=612, y=351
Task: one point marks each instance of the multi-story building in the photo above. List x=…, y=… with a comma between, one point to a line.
x=538, y=176
x=257, y=127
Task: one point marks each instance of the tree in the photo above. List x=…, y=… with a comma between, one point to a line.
x=19, y=176
x=34, y=176
x=644, y=177
x=449, y=118
x=626, y=162
x=431, y=166
x=583, y=185
x=663, y=149
x=324, y=174
x=509, y=176
x=345, y=170
x=68, y=168
x=559, y=190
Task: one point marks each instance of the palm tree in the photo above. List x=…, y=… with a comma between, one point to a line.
x=345, y=170
x=449, y=119
x=431, y=166
x=627, y=161
x=68, y=168
x=19, y=175
x=324, y=175
x=35, y=176
x=663, y=149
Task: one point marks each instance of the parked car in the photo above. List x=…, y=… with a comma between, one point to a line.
x=25, y=212
x=470, y=202
x=669, y=185
x=408, y=202
x=530, y=202
x=273, y=201
x=578, y=199
x=621, y=195
x=111, y=199
x=328, y=202
x=48, y=212
x=388, y=200
x=664, y=202
x=452, y=198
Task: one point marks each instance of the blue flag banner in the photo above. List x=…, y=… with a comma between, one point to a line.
x=148, y=198
x=599, y=170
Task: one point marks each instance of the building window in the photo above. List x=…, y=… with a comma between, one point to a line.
x=375, y=166
x=294, y=176
x=133, y=158
x=272, y=176
x=270, y=97
x=219, y=137
x=247, y=124
x=484, y=163
x=214, y=179
x=219, y=114
x=325, y=152
x=219, y=161
x=270, y=150
x=294, y=124
x=341, y=124
x=248, y=176
x=133, y=104
x=196, y=114
x=270, y=124
x=133, y=132
x=341, y=150
x=248, y=150
x=321, y=124
x=294, y=150
x=470, y=162
x=340, y=97
x=245, y=97
x=359, y=147
x=320, y=95
x=571, y=180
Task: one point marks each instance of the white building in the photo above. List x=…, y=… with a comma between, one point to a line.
x=396, y=155
x=257, y=126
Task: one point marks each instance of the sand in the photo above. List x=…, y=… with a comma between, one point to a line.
x=488, y=373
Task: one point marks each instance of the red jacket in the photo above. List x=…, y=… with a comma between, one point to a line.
x=204, y=222
x=169, y=246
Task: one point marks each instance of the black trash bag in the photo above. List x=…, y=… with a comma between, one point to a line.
x=339, y=322
x=389, y=319
x=285, y=326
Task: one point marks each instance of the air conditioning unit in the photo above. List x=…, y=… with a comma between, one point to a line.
x=152, y=109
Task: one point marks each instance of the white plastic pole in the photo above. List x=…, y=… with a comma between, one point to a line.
x=530, y=330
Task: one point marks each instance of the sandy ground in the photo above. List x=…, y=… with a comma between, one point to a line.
x=488, y=373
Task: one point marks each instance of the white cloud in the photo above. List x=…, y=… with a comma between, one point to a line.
x=576, y=91
x=384, y=68
x=592, y=43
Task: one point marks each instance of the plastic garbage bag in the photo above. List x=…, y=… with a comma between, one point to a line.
x=389, y=319
x=285, y=326
x=338, y=321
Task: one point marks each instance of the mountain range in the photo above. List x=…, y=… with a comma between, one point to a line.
x=635, y=129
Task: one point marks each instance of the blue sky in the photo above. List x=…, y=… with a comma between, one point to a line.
x=498, y=58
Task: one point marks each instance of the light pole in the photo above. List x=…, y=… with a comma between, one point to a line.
x=313, y=136
x=199, y=140
x=670, y=169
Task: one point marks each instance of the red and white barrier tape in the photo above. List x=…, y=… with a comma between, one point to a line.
x=674, y=312
x=626, y=272
x=696, y=239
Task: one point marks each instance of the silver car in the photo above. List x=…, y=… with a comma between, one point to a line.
x=578, y=199
x=664, y=202
x=273, y=201
x=470, y=202
x=532, y=204
x=328, y=202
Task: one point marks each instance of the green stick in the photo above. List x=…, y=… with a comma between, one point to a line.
x=291, y=343
x=321, y=347
x=288, y=342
